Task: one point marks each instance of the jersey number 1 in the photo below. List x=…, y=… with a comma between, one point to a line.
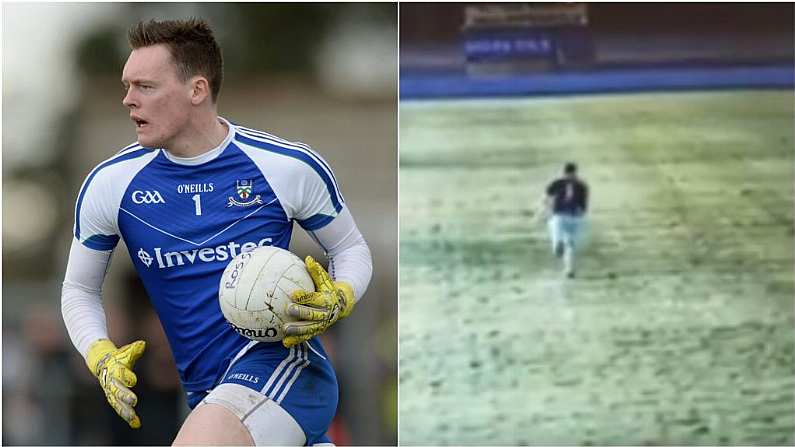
x=197, y=199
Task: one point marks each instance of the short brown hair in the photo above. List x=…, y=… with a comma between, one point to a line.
x=191, y=44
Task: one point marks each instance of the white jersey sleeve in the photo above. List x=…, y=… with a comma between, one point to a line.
x=96, y=234
x=300, y=178
x=97, y=207
x=308, y=192
x=348, y=253
x=81, y=295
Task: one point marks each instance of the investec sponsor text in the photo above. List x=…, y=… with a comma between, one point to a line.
x=208, y=254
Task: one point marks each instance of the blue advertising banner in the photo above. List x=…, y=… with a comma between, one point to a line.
x=515, y=44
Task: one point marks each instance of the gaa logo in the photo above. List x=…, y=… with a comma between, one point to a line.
x=147, y=197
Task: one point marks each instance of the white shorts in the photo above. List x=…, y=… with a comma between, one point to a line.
x=267, y=422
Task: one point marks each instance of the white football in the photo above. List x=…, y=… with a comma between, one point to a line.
x=255, y=291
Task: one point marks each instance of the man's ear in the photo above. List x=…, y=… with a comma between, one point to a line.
x=200, y=90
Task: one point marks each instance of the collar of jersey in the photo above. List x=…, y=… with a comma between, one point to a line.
x=207, y=156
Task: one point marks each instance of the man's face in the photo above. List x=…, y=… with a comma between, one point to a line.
x=159, y=102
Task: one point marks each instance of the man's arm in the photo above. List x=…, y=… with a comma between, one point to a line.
x=85, y=320
x=547, y=202
x=349, y=256
x=81, y=296
x=543, y=209
x=584, y=198
x=349, y=273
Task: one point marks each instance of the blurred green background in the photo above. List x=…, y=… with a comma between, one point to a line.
x=324, y=74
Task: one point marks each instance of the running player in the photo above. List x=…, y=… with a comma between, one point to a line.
x=194, y=191
x=566, y=200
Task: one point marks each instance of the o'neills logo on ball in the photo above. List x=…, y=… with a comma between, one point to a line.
x=261, y=332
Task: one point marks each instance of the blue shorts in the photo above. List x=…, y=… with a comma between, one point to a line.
x=300, y=379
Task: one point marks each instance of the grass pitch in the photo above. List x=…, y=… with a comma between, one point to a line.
x=679, y=328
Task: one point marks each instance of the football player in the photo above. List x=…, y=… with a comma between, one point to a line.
x=190, y=194
x=566, y=201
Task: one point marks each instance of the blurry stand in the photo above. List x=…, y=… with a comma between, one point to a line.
x=503, y=39
x=358, y=60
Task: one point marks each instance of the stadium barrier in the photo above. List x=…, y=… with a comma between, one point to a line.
x=419, y=85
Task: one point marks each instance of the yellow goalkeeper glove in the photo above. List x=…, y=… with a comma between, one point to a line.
x=318, y=310
x=113, y=367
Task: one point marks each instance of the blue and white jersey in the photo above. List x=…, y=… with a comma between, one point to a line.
x=183, y=220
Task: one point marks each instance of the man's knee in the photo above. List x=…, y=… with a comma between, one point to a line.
x=213, y=424
x=260, y=419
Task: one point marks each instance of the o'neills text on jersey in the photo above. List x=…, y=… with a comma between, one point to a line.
x=192, y=188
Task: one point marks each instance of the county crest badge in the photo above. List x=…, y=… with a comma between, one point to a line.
x=244, y=189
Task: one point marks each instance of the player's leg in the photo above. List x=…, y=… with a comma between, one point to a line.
x=310, y=394
x=568, y=261
x=555, y=235
x=281, y=397
x=212, y=424
x=233, y=414
x=571, y=231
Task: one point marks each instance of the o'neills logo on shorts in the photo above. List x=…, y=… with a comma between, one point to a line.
x=207, y=254
x=243, y=376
